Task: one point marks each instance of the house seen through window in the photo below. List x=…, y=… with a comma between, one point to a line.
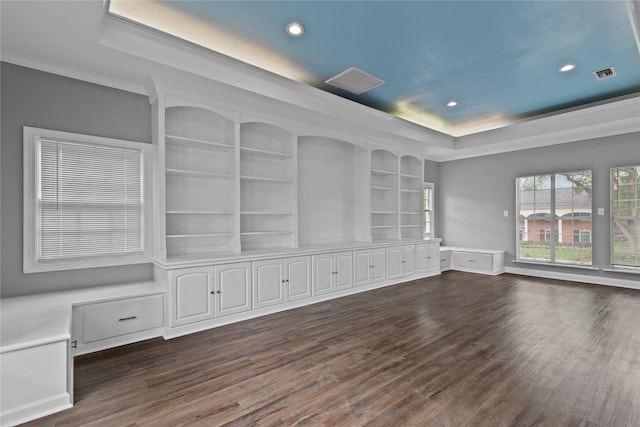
x=555, y=218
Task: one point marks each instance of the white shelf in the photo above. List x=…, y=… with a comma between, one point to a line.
x=266, y=180
x=384, y=212
x=411, y=213
x=258, y=233
x=406, y=190
x=196, y=212
x=383, y=226
x=409, y=175
x=197, y=174
x=383, y=188
x=183, y=236
x=265, y=213
x=266, y=153
x=410, y=225
x=198, y=143
x=382, y=172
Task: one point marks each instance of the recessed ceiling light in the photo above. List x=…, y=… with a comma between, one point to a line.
x=294, y=29
x=452, y=104
x=567, y=67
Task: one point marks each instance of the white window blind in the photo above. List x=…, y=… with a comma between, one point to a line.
x=89, y=200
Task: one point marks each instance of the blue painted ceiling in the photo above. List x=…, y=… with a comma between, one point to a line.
x=498, y=60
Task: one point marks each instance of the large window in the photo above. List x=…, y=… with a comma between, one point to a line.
x=625, y=217
x=428, y=210
x=84, y=201
x=554, y=218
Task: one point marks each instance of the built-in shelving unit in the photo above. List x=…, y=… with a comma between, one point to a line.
x=199, y=174
x=410, y=198
x=267, y=202
x=384, y=195
x=228, y=182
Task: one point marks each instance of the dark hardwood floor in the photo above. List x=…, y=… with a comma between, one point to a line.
x=455, y=350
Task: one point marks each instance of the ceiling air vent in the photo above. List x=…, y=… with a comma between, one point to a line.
x=605, y=73
x=355, y=80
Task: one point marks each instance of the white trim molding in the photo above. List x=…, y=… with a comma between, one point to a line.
x=582, y=278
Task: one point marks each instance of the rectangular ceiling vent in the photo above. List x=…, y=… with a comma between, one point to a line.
x=605, y=73
x=355, y=80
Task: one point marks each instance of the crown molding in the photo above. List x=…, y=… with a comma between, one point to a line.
x=72, y=73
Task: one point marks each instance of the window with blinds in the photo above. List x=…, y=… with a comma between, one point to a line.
x=88, y=201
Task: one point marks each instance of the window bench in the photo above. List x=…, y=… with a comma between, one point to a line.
x=39, y=339
x=483, y=261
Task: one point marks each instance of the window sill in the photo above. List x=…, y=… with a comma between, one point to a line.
x=41, y=267
x=549, y=264
x=629, y=270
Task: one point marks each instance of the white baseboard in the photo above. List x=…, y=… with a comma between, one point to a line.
x=583, y=278
x=34, y=410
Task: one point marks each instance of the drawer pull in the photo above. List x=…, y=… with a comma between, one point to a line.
x=127, y=318
x=471, y=260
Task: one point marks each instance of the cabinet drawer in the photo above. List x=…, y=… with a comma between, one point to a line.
x=473, y=260
x=113, y=318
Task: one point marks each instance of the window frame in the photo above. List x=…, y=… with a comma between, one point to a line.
x=30, y=261
x=612, y=266
x=431, y=233
x=554, y=242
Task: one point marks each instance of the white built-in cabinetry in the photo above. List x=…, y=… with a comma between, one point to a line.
x=280, y=280
x=401, y=261
x=483, y=261
x=202, y=293
x=206, y=296
x=197, y=154
x=369, y=266
x=384, y=196
x=396, y=196
x=331, y=271
x=411, y=198
x=427, y=257
x=267, y=186
x=255, y=214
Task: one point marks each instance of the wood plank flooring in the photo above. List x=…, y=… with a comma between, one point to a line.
x=455, y=350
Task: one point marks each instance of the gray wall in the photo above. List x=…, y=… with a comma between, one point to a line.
x=473, y=193
x=38, y=99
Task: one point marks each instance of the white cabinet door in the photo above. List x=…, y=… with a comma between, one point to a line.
x=394, y=262
x=343, y=269
x=268, y=283
x=408, y=260
x=363, y=267
x=322, y=277
x=378, y=260
x=423, y=254
x=298, y=278
x=191, y=290
x=434, y=257
x=233, y=288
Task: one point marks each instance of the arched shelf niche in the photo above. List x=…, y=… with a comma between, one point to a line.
x=199, y=150
x=267, y=187
x=333, y=196
x=411, y=198
x=384, y=196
